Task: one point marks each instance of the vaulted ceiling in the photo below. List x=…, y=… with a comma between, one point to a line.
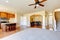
x=21, y=6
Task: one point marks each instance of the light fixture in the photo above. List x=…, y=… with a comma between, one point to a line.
x=37, y=5
x=6, y=1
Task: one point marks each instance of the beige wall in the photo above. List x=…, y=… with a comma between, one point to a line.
x=47, y=19
x=28, y=17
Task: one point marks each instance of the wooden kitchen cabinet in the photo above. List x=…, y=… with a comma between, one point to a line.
x=0, y=25
x=0, y=15
x=12, y=16
x=6, y=15
x=3, y=15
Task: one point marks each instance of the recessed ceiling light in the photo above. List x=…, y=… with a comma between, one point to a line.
x=7, y=1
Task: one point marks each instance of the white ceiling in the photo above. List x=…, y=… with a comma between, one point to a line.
x=21, y=6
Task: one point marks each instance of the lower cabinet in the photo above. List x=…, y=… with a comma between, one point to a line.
x=9, y=27
x=0, y=26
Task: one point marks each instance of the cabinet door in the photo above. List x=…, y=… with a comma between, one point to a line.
x=3, y=15
x=0, y=15
x=12, y=15
x=8, y=15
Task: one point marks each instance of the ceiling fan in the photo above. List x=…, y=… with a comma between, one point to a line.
x=37, y=2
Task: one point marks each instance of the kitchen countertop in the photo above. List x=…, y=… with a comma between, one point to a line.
x=6, y=23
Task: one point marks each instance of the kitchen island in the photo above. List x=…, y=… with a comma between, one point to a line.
x=8, y=27
x=0, y=25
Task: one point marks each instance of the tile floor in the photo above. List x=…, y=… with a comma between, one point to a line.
x=4, y=34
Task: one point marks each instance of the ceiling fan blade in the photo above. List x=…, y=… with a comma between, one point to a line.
x=36, y=0
x=41, y=5
x=43, y=1
x=31, y=4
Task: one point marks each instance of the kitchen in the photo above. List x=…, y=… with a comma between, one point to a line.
x=8, y=24
x=5, y=21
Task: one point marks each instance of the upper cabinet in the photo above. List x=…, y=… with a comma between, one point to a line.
x=12, y=16
x=3, y=15
x=6, y=15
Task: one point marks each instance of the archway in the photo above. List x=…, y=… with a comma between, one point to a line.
x=57, y=19
x=36, y=21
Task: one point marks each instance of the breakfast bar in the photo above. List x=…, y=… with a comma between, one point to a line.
x=8, y=27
